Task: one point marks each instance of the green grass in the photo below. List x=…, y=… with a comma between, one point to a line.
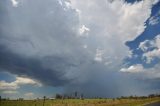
x=78, y=102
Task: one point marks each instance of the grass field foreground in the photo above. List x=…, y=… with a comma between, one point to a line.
x=78, y=102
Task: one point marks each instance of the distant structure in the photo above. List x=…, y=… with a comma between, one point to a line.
x=75, y=95
x=44, y=98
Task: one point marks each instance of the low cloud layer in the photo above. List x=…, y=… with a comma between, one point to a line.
x=13, y=87
x=16, y=84
x=78, y=45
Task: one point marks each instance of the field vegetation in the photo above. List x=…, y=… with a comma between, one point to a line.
x=81, y=102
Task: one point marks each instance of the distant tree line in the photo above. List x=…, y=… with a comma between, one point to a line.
x=139, y=97
x=74, y=95
x=77, y=95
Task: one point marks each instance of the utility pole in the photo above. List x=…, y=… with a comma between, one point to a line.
x=0, y=100
x=75, y=95
x=44, y=98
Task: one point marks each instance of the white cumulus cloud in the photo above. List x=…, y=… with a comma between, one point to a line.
x=133, y=69
x=14, y=3
x=17, y=83
x=84, y=30
x=112, y=24
x=151, y=54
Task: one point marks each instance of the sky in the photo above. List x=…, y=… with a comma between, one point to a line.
x=105, y=48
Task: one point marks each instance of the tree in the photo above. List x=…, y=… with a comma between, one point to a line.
x=58, y=96
x=82, y=97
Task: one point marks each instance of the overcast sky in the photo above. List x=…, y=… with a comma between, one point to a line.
x=104, y=48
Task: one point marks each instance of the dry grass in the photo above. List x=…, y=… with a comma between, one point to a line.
x=78, y=102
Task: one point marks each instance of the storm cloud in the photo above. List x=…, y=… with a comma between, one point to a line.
x=65, y=43
x=38, y=39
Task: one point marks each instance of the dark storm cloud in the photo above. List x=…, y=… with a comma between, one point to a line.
x=38, y=40
x=29, y=67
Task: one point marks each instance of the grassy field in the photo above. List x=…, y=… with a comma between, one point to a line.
x=78, y=102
